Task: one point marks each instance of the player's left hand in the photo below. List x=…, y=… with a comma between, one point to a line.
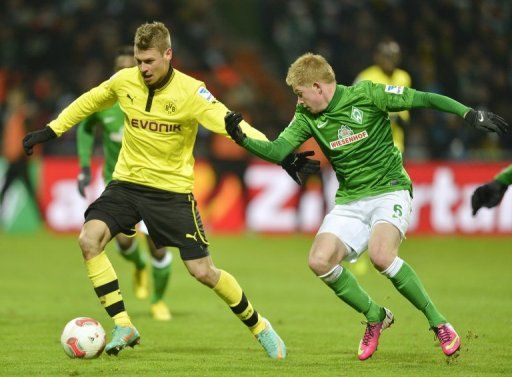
x=487, y=121
x=299, y=166
x=37, y=137
x=488, y=195
x=83, y=180
x=232, y=121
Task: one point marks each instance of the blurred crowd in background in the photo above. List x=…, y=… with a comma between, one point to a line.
x=52, y=51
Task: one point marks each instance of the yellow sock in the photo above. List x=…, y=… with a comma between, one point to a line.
x=230, y=291
x=106, y=286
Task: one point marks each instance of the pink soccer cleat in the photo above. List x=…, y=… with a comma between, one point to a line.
x=370, y=341
x=448, y=337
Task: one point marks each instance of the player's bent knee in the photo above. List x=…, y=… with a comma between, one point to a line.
x=205, y=276
x=90, y=247
x=382, y=261
x=91, y=243
x=318, y=264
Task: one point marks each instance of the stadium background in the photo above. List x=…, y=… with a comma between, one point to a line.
x=52, y=51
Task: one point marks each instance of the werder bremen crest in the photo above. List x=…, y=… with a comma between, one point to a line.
x=357, y=115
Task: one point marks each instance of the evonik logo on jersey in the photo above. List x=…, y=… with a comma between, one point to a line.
x=347, y=136
x=153, y=126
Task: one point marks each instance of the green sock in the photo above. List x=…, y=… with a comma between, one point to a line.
x=134, y=255
x=161, y=276
x=346, y=287
x=407, y=282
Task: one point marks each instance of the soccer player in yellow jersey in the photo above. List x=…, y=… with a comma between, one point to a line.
x=153, y=179
x=386, y=71
x=111, y=123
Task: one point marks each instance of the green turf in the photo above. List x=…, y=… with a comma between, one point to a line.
x=43, y=284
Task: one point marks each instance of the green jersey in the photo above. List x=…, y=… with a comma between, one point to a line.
x=111, y=121
x=354, y=133
x=505, y=176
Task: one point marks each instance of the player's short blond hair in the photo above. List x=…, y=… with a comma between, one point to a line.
x=308, y=69
x=152, y=35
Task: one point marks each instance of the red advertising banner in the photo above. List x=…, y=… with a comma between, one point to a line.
x=442, y=199
x=269, y=201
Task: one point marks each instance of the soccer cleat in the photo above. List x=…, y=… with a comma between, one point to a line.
x=122, y=336
x=370, y=341
x=160, y=311
x=448, y=338
x=271, y=342
x=141, y=283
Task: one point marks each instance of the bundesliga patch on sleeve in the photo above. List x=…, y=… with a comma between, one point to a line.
x=395, y=89
x=203, y=92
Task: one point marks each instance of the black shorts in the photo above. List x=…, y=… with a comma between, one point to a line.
x=172, y=218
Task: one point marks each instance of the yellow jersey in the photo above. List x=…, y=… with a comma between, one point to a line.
x=160, y=125
x=399, y=77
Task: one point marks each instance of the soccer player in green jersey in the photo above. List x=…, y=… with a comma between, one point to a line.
x=111, y=122
x=490, y=194
x=154, y=176
x=373, y=202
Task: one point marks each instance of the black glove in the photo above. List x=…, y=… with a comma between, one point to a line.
x=37, y=137
x=488, y=195
x=232, y=121
x=487, y=121
x=84, y=179
x=299, y=166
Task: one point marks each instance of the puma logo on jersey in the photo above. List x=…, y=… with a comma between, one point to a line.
x=130, y=97
x=194, y=236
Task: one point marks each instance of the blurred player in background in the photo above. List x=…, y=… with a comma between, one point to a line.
x=385, y=71
x=153, y=179
x=490, y=194
x=387, y=56
x=373, y=202
x=111, y=122
x=17, y=120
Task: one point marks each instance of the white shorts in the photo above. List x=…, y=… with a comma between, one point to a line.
x=352, y=223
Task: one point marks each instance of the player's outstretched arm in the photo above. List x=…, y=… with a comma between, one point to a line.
x=279, y=151
x=480, y=119
x=37, y=137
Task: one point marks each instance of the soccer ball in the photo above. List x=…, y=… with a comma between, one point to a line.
x=83, y=338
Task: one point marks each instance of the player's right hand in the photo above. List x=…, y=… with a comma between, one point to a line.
x=232, y=121
x=37, y=137
x=299, y=166
x=488, y=195
x=84, y=179
x=486, y=121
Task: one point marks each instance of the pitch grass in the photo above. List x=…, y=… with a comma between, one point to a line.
x=43, y=284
